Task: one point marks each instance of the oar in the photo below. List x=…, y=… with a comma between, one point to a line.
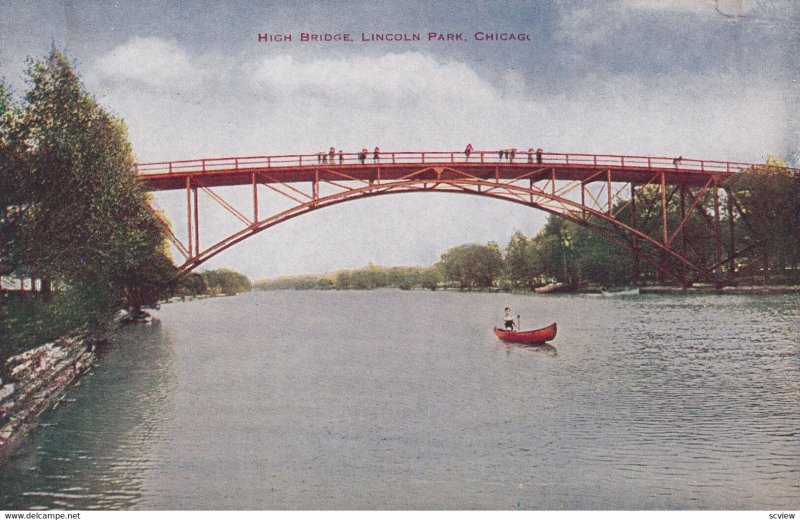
x=518, y=322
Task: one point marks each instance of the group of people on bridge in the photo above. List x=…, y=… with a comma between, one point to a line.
x=332, y=154
x=510, y=154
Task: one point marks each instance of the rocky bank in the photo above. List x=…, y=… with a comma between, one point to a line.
x=40, y=377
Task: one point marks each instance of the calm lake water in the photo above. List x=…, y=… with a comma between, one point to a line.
x=405, y=400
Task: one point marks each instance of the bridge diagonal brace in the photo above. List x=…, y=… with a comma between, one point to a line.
x=591, y=177
x=517, y=192
x=233, y=211
x=272, y=180
x=179, y=245
x=343, y=187
x=474, y=186
x=529, y=175
x=288, y=196
x=463, y=174
x=415, y=173
x=344, y=176
x=596, y=204
x=390, y=186
x=567, y=188
x=689, y=212
x=617, y=196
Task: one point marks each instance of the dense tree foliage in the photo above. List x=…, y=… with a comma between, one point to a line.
x=519, y=267
x=769, y=200
x=72, y=209
x=10, y=172
x=225, y=281
x=472, y=266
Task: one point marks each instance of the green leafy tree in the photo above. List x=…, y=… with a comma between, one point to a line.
x=473, y=265
x=226, y=281
x=555, y=250
x=191, y=284
x=72, y=208
x=88, y=221
x=600, y=261
x=767, y=195
x=518, y=261
x=11, y=174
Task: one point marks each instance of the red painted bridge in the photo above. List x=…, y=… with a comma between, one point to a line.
x=667, y=210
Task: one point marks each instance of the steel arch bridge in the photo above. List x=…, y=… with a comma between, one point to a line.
x=648, y=205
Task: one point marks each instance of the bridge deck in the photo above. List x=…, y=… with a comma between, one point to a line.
x=230, y=171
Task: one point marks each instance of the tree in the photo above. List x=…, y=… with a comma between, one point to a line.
x=555, y=251
x=226, y=281
x=768, y=198
x=599, y=260
x=72, y=207
x=472, y=265
x=11, y=202
x=88, y=221
x=518, y=262
x=191, y=284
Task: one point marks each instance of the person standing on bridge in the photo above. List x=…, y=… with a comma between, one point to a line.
x=341, y=157
x=530, y=155
x=468, y=150
x=332, y=154
x=362, y=155
x=376, y=155
x=539, y=155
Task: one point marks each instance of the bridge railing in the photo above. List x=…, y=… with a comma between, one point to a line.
x=495, y=157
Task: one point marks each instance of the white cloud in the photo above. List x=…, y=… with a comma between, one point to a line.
x=390, y=77
x=150, y=61
x=680, y=6
x=770, y=9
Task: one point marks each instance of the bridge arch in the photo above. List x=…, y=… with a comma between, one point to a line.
x=480, y=189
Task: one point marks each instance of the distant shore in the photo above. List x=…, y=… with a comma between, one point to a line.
x=655, y=289
x=744, y=290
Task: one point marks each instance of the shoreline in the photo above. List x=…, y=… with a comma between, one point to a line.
x=42, y=376
x=754, y=290
x=750, y=290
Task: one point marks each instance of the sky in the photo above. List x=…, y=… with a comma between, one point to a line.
x=698, y=78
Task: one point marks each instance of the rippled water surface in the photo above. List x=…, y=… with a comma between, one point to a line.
x=404, y=399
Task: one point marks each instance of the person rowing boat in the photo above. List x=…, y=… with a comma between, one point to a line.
x=508, y=320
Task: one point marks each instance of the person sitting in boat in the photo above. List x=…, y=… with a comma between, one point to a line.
x=508, y=320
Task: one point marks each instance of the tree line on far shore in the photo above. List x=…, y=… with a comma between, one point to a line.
x=562, y=251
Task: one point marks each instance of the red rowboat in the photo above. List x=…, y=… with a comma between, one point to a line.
x=542, y=335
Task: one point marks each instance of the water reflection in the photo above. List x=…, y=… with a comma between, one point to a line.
x=545, y=349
